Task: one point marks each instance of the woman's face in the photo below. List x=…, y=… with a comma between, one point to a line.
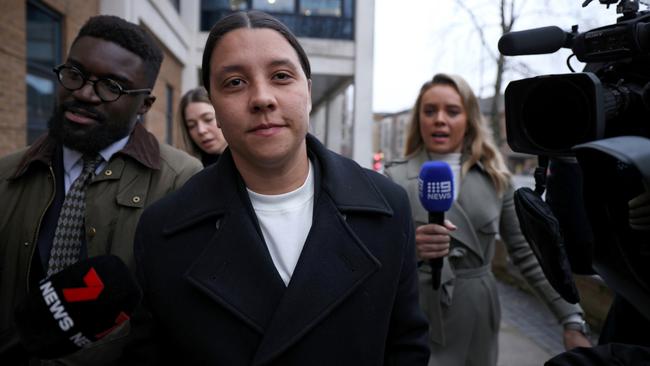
x=202, y=127
x=443, y=120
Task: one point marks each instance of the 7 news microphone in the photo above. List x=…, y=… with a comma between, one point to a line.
x=436, y=192
x=73, y=308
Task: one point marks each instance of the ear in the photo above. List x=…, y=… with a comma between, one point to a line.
x=309, y=90
x=146, y=104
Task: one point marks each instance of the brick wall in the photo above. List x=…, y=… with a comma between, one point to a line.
x=13, y=113
x=13, y=65
x=75, y=13
x=156, y=119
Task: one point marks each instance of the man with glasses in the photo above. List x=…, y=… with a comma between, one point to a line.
x=79, y=190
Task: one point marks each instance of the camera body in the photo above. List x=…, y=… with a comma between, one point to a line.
x=610, y=98
x=600, y=116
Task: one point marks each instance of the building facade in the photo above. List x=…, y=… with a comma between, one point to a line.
x=336, y=34
x=389, y=134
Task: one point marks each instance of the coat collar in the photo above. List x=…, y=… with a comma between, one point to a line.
x=235, y=269
x=142, y=146
x=344, y=180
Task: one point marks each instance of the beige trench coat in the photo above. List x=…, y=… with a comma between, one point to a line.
x=465, y=313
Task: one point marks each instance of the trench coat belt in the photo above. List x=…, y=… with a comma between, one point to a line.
x=472, y=272
x=447, y=288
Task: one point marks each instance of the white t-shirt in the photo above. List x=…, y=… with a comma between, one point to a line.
x=285, y=220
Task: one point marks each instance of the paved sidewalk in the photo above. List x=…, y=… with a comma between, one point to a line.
x=530, y=334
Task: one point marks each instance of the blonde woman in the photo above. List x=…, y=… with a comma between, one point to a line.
x=465, y=313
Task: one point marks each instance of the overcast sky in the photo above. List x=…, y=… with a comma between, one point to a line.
x=414, y=39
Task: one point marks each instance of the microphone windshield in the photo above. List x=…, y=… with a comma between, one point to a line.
x=76, y=306
x=436, y=186
x=533, y=41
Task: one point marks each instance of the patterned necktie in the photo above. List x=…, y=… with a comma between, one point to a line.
x=66, y=246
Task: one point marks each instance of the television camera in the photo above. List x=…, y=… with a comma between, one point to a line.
x=594, y=126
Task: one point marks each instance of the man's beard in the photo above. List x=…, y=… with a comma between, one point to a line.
x=86, y=139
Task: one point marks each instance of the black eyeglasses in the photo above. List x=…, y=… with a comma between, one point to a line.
x=107, y=90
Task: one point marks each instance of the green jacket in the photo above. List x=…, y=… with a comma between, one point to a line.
x=141, y=173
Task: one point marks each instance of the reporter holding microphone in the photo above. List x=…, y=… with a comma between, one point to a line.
x=464, y=313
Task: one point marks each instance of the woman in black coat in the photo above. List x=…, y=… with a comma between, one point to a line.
x=202, y=136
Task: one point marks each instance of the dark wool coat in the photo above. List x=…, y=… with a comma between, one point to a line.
x=216, y=297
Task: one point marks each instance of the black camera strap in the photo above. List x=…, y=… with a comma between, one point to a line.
x=540, y=174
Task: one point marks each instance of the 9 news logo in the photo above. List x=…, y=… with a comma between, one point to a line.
x=436, y=190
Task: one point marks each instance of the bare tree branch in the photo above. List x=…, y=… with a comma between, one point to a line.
x=478, y=27
x=509, y=12
x=522, y=69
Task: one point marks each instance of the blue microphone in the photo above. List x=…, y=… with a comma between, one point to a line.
x=436, y=192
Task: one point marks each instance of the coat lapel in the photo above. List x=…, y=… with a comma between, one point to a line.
x=236, y=271
x=465, y=233
x=333, y=263
x=477, y=193
x=233, y=268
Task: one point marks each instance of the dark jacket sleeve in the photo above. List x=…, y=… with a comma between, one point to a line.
x=409, y=329
x=143, y=349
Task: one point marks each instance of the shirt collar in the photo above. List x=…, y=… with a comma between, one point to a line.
x=71, y=156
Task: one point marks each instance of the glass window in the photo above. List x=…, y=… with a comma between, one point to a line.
x=213, y=10
x=348, y=8
x=224, y=5
x=330, y=8
x=43, y=53
x=306, y=18
x=275, y=6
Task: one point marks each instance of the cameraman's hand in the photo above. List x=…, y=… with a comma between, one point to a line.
x=640, y=211
x=573, y=338
x=432, y=240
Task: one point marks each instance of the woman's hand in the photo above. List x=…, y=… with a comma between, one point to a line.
x=574, y=338
x=432, y=240
x=640, y=212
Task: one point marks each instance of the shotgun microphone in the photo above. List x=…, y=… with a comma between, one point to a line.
x=534, y=41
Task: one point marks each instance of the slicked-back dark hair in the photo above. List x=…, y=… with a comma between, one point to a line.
x=129, y=36
x=252, y=19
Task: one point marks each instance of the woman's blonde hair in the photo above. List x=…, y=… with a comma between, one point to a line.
x=196, y=95
x=477, y=143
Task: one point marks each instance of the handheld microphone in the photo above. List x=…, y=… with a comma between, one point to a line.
x=534, y=41
x=76, y=306
x=436, y=192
